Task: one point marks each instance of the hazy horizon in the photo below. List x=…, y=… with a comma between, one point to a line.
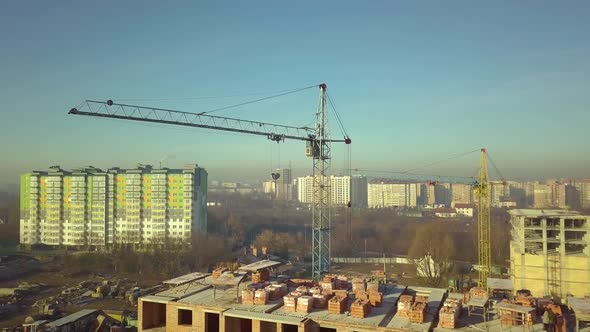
x=413, y=83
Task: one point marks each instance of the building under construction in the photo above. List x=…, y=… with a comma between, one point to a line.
x=550, y=252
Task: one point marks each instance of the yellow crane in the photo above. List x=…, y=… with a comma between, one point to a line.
x=483, y=193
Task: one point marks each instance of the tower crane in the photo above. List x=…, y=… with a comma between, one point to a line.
x=318, y=147
x=483, y=193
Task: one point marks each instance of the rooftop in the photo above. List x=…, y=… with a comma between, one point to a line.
x=72, y=318
x=186, y=278
x=543, y=213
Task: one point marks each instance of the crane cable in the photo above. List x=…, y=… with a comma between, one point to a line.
x=257, y=100
x=340, y=124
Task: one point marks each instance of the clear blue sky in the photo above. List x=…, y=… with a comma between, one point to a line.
x=414, y=81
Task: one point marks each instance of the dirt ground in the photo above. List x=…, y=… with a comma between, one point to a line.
x=56, y=282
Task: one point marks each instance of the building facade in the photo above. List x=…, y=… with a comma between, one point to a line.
x=461, y=194
x=550, y=252
x=343, y=189
x=383, y=194
x=284, y=185
x=92, y=207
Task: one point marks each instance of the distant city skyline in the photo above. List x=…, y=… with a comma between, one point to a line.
x=413, y=83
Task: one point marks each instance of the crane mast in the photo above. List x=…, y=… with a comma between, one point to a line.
x=321, y=214
x=318, y=147
x=483, y=193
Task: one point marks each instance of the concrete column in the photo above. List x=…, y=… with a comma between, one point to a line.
x=256, y=325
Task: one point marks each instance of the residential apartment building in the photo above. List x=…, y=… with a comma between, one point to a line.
x=284, y=185
x=343, y=189
x=387, y=193
x=585, y=194
x=461, y=193
x=92, y=207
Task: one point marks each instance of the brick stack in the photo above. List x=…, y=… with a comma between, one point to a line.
x=404, y=305
x=372, y=287
x=247, y=296
x=260, y=276
x=290, y=302
x=342, y=282
x=304, y=304
x=218, y=271
x=341, y=292
x=360, y=308
x=260, y=296
x=361, y=295
x=320, y=301
x=418, y=312
x=525, y=298
x=449, y=313
x=359, y=284
x=421, y=299
x=478, y=292
x=337, y=304
x=327, y=286
x=275, y=292
x=376, y=299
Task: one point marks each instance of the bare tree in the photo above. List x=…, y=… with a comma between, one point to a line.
x=432, y=251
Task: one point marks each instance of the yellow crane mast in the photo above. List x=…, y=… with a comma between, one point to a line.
x=483, y=193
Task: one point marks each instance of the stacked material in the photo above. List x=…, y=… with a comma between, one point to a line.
x=511, y=318
x=376, y=299
x=300, y=282
x=342, y=282
x=302, y=289
x=404, y=305
x=359, y=284
x=360, y=308
x=320, y=301
x=525, y=298
x=379, y=273
x=260, y=276
x=315, y=290
x=449, y=313
x=421, y=299
x=327, y=286
x=361, y=295
x=260, y=296
x=341, y=292
x=218, y=272
x=247, y=296
x=478, y=292
x=275, y=292
x=372, y=287
x=418, y=312
x=337, y=304
x=304, y=304
x=290, y=302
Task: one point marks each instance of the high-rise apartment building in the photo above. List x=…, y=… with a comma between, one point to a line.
x=284, y=185
x=442, y=193
x=385, y=193
x=91, y=207
x=343, y=189
x=585, y=194
x=500, y=191
x=461, y=193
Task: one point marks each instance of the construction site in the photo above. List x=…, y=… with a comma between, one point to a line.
x=255, y=298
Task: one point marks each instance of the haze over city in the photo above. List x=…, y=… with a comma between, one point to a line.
x=414, y=82
x=304, y=166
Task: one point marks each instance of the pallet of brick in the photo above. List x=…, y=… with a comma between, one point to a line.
x=337, y=304
x=218, y=272
x=275, y=292
x=372, y=287
x=304, y=304
x=329, y=278
x=418, y=312
x=301, y=282
x=376, y=299
x=449, y=313
x=342, y=282
x=315, y=291
x=359, y=284
x=361, y=295
x=525, y=298
x=320, y=301
x=360, y=308
x=260, y=276
x=478, y=292
x=327, y=286
x=260, y=296
x=302, y=289
x=247, y=296
x=290, y=302
x=421, y=299
x=404, y=305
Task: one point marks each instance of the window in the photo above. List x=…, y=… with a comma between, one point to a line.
x=185, y=317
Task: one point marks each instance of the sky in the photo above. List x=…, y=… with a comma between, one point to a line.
x=413, y=81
